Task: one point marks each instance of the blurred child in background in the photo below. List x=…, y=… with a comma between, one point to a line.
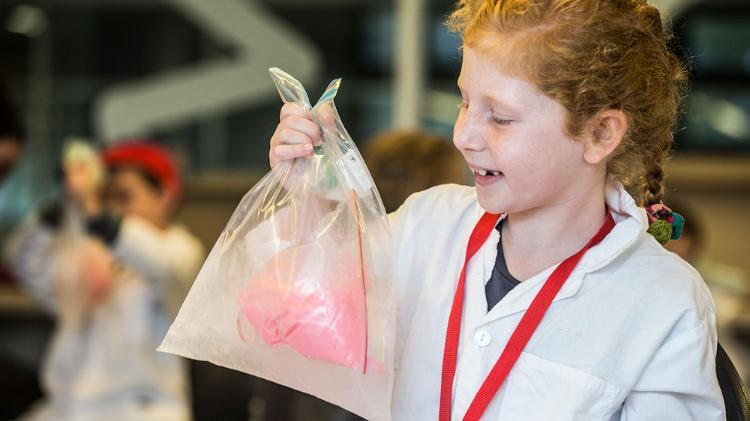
x=403, y=162
x=113, y=268
x=11, y=136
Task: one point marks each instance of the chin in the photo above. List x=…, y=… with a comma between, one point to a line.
x=492, y=204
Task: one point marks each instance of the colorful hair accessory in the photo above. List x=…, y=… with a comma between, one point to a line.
x=664, y=224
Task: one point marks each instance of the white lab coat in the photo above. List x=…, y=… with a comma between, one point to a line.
x=630, y=336
x=104, y=365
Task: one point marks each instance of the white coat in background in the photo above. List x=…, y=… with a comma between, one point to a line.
x=105, y=366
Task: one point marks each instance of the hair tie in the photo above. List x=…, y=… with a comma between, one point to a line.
x=664, y=224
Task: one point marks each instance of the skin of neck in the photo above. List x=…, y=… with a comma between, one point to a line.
x=540, y=237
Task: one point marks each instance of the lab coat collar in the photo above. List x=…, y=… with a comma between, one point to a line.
x=631, y=223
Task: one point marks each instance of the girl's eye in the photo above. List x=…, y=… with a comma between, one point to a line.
x=501, y=121
x=463, y=105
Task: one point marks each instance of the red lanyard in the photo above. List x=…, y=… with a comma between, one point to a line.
x=520, y=336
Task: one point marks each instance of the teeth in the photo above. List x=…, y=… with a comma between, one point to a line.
x=485, y=173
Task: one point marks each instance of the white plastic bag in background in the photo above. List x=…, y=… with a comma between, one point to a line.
x=298, y=287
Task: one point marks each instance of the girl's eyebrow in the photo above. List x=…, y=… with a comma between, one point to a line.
x=490, y=99
x=501, y=104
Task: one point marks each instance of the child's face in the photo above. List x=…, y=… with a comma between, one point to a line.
x=507, y=126
x=130, y=194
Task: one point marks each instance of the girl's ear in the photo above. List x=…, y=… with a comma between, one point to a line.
x=603, y=135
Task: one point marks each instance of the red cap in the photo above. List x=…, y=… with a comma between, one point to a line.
x=155, y=160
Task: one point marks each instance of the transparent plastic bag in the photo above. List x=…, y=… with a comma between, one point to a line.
x=298, y=287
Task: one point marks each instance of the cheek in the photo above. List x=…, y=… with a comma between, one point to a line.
x=150, y=204
x=557, y=167
x=155, y=203
x=136, y=204
x=534, y=158
x=458, y=129
x=512, y=151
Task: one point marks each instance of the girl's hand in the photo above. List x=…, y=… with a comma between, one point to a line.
x=295, y=136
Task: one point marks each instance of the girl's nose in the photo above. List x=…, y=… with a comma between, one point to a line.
x=466, y=137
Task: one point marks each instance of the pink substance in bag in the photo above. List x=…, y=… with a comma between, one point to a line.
x=313, y=302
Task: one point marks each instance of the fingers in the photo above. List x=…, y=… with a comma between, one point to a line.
x=294, y=117
x=288, y=152
x=304, y=126
x=287, y=144
x=295, y=135
x=285, y=135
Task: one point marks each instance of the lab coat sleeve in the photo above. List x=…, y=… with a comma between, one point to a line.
x=168, y=260
x=29, y=251
x=679, y=383
x=402, y=244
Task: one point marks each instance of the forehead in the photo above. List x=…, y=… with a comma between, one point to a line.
x=128, y=177
x=497, y=77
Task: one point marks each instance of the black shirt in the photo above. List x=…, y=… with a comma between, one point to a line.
x=501, y=281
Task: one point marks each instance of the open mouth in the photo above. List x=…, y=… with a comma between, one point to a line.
x=487, y=173
x=484, y=177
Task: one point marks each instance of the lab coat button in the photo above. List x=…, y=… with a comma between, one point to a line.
x=482, y=338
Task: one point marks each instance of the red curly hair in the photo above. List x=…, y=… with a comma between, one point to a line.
x=590, y=56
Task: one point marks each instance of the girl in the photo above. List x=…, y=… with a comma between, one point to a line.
x=113, y=284
x=539, y=294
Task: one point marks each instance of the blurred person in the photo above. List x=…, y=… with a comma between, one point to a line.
x=11, y=143
x=403, y=162
x=11, y=136
x=728, y=285
x=18, y=376
x=113, y=268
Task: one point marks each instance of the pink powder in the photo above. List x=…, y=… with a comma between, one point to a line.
x=313, y=302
